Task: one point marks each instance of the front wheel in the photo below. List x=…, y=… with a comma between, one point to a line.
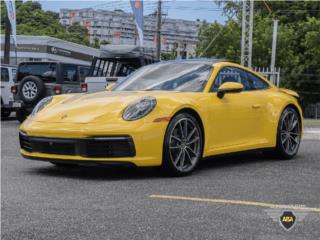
x=183, y=145
x=289, y=134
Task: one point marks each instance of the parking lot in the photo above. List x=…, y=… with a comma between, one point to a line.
x=226, y=198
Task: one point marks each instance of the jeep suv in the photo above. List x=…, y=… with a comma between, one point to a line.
x=8, y=73
x=36, y=80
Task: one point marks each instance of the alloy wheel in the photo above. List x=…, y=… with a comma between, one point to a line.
x=290, y=132
x=29, y=90
x=185, y=145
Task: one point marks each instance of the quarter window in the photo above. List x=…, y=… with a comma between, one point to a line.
x=231, y=74
x=256, y=83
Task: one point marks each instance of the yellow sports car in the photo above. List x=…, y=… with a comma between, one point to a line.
x=170, y=114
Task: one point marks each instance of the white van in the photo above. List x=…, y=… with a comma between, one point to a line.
x=8, y=73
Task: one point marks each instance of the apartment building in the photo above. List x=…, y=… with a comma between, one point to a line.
x=118, y=27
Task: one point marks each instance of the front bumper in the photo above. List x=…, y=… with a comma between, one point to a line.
x=141, y=143
x=99, y=147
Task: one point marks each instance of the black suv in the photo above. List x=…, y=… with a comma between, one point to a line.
x=36, y=80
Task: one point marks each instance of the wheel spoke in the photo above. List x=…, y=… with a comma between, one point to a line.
x=187, y=153
x=193, y=141
x=191, y=134
x=181, y=131
x=178, y=158
x=175, y=147
x=183, y=158
x=185, y=134
x=190, y=149
x=293, y=133
x=176, y=138
x=294, y=139
x=284, y=140
x=293, y=124
x=288, y=144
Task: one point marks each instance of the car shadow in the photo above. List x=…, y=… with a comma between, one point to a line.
x=107, y=172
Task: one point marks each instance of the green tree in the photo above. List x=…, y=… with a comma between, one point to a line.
x=298, y=48
x=32, y=20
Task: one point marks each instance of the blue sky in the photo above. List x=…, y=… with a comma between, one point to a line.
x=189, y=10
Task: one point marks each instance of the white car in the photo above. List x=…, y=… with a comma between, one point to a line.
x=8, y=73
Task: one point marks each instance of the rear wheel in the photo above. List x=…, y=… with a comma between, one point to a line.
x=289, y=134
x=183, y=145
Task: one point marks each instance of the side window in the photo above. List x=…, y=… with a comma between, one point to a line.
x=4, y=75
x=69, y=73
x=231, y=74
x=256, y=83
x=45, y=71
x=83, y=71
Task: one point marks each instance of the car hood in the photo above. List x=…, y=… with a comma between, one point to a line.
x=94, y=107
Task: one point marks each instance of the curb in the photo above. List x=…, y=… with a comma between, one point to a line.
x=311, y=134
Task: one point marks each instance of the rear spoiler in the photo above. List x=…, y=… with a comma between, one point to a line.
x=289, y=92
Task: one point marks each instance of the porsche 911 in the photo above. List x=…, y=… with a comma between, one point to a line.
x=170, y=114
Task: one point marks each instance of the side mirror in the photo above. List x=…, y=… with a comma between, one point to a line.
x=229, y=87
x=110, y=86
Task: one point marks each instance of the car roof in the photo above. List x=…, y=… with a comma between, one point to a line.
x=199, y=60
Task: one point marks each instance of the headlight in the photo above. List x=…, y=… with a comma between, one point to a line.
x=41, y=105
x=139, y=109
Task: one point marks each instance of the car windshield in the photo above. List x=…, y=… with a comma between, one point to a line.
x=166, y=76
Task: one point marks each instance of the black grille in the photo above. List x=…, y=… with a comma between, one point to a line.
x=25, y=143
x=100, y=147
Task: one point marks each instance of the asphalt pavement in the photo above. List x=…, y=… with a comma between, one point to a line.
x=226, y=198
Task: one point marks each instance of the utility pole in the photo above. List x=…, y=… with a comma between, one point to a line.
x=158, y=39
x=247, y=31
x=274, y=48
x=6, y=57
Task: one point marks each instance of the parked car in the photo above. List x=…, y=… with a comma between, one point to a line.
x=115, y=63
x=170, y=114
x=36, y=80
x=8, y=73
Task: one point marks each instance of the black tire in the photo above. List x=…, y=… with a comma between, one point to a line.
x=282, y=150
x=21, y=115
x=5, y=113
x=64, y=165
x=34, y=94
x=184, y=153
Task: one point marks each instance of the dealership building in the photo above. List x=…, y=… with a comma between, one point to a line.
x=43, y=48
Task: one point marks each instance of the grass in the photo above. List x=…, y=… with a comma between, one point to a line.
x=312, y=123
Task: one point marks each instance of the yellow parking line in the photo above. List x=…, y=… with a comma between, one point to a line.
x=236, y=202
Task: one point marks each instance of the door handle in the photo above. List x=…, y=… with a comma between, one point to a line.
x=256, y=106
